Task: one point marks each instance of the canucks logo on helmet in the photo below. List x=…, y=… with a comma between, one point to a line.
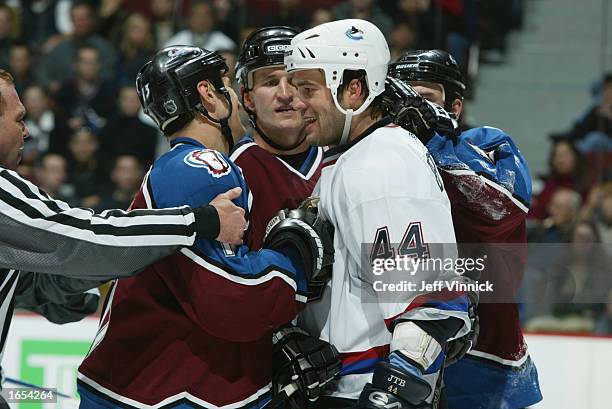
x=354, y=33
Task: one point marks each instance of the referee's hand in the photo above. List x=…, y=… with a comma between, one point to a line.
x=231, y=217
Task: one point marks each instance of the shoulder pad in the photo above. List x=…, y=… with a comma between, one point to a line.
x=191, y=176
x=489, y=152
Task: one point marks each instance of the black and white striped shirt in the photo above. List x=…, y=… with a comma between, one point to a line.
x=8, y=282
x=44, y=235
x=41, y=234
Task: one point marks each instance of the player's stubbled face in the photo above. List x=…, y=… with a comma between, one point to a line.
x=324, y=122
x=280, y=111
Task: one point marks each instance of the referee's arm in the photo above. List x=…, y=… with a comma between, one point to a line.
x=44, y=235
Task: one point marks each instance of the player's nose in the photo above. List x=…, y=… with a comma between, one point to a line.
x=285, y=90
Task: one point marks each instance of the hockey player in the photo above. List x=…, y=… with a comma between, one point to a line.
x=489, y=187
x=193, y=330
x=279, y=165
x=376, y=186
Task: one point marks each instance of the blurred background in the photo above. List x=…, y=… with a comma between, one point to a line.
x=541, y=70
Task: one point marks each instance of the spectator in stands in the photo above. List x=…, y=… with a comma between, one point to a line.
x=576, y=283
x=135, y=49
x=598, y=207
x=20, y=66
x=38, y=25
x=127, y=134
x=401, y=40
x=230, y=16
x=200, y=31
x=49, y=131
x=58, y=64
x=320, y=16
x=85, y=170
x=593, y=132
x=366, y=10
x=51, y=175
x=563, y=209
x=495, y=19
x=112, y=15
x=126, y=177
x=7, y=18
x=87, y=99
x=288, y=13
x=567, y=170
x=165, y=23
x=587, y=261
x=420, y=16
x=604, y=218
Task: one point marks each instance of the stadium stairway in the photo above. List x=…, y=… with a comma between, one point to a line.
x=545, y=82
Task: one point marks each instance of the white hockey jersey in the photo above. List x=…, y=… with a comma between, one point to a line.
x=381, y=188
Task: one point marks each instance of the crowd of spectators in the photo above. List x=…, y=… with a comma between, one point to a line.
x=571, y=217
x=75, y=63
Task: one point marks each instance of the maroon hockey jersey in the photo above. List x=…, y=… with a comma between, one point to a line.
x=193, y=328
x=489, y=186
x=273, y=184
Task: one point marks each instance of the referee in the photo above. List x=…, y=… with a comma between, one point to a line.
x=44, y=235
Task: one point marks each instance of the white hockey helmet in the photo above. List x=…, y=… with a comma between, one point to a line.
x=334, y=47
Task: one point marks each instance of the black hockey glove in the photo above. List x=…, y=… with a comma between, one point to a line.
x=304, y=230
x=392, y=388
x=304, y=363
x=415, y=114
x=457, y=348
x=317, y=284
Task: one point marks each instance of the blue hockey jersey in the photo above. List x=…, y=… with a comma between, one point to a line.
x=194, y=328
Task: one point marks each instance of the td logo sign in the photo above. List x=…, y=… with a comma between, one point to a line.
x=53, y=364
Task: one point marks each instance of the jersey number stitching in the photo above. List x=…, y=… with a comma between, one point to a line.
x=412, y=244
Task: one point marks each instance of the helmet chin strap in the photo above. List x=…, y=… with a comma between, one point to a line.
x=273, y=144
x=348, y=119
x=226, y=131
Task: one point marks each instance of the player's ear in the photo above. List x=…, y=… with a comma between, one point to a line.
x=247, y=100
x=354, y=94
x=208, y=96
x=457, y=107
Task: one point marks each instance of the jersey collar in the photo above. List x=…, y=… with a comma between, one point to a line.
x=332, y=155
x=183, y=140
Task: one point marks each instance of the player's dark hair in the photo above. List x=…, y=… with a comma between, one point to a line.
x=179, y=123
x=376, y=107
